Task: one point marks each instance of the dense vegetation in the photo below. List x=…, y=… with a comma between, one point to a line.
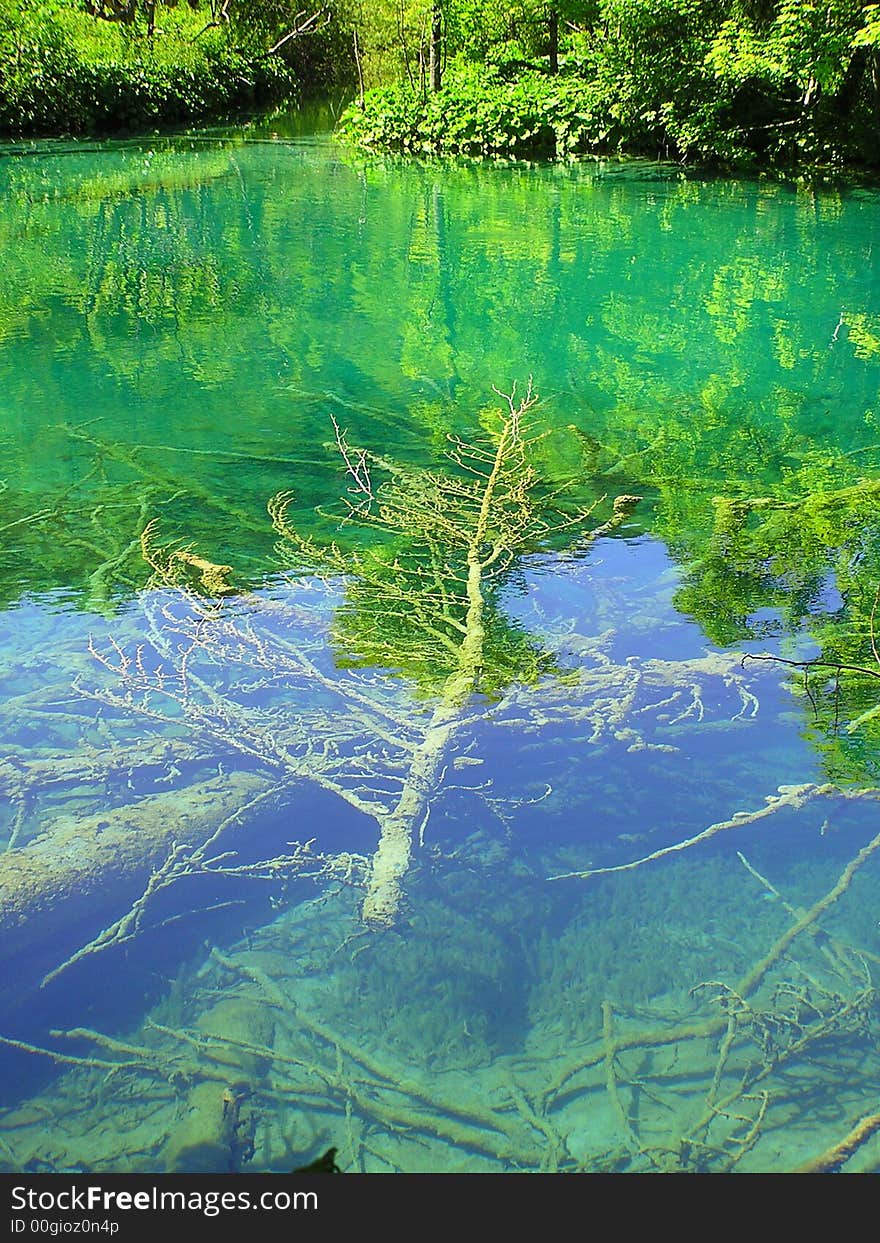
x=78, y=66
x=732, y=81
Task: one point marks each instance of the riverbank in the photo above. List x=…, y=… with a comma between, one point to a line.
x=790, y=90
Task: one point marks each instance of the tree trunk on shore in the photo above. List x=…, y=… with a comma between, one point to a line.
x=553, y=22
x=435, y=67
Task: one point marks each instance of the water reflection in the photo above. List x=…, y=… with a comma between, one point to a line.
x=178, y=322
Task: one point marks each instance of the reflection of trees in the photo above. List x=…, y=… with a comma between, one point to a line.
x=808, y=567
x=218, y=295
x=199, y=277
x=86, y=531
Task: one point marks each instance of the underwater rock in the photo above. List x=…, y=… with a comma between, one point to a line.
x=212, y=1137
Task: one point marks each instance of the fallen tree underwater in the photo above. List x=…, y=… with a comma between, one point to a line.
x=737, y=1074
x=101, y=863
x=239, y=683
x=467, y=534
x=245, y=682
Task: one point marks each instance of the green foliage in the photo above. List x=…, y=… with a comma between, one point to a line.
x=811, y=567
x=393, y=34
x=869, y=35
x=479, y=112
x=780, y=81
x=786, y=82
x=795, y=87
x=63, y=70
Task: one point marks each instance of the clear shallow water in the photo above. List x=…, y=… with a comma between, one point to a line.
x=178, y=323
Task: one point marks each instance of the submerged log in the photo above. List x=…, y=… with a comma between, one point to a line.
x=502, y=522
x=84, y=873
x=830, y=1161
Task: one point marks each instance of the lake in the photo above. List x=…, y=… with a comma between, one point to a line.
x=438, y=666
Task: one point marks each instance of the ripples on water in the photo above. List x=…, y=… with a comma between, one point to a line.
x=178, y=322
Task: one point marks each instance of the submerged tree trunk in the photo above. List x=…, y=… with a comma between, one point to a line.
x=398, y=830
x=405, y=822
x=436, y=601
x=86, y=872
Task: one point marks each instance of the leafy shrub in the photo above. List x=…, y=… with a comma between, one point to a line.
x=479, y=112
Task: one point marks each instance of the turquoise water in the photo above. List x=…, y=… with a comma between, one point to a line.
x=206, y=727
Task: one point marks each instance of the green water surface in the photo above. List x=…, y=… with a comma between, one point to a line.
x=181, y=322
